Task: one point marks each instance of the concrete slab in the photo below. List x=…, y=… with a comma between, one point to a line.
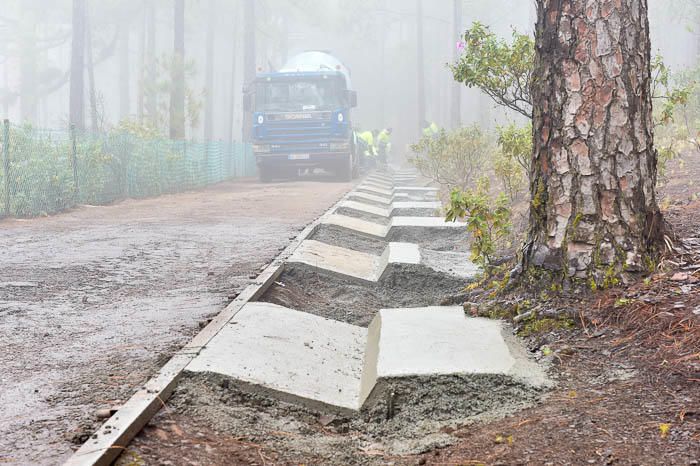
x=400, y=190
x=382, y=231
x=388, y=211
x=376, y=191
x=398, y=197
x=338, y=260
x=361, y=196
x=292, y=354
x=331, y=365
x=440, y=341
x=425, y=222
x=359, y=225
x=367, y=208
x=370, y=268
x=408, y=205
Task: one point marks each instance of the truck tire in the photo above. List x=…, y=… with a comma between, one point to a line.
x=345, y=172
x=264, y=174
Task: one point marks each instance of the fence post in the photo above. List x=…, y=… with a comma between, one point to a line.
x=74, y=161
x=6, y=163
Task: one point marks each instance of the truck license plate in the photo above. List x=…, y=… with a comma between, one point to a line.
x=299, y=156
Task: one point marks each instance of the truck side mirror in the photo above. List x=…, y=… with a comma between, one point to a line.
x=352, y=98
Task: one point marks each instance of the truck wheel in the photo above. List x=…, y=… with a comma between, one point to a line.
x=265, y=174
x=345, y=172
x=355, y=169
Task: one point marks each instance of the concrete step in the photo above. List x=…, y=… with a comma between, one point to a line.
x=428, y=206
x=391, y=192
x=372, y=268
x=293, y=355
x=404, y=224
x=335, y=366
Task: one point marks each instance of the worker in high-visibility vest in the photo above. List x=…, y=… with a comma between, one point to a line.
x=430, y=130
x=384, y=144
x=366, y=138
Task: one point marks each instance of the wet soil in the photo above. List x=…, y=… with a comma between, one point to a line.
x=363, y=215
x=449, y=239
x=94, y=301
x=627, y=389
x=324, y=294
x=417, y=418
x=336, y=236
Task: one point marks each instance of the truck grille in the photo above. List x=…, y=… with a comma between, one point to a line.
x=307, y=130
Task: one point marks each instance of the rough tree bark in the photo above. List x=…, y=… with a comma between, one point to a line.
x=594, y=213
x=177, y=93
x=77, y=83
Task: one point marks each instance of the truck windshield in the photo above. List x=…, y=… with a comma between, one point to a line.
x=299, y=95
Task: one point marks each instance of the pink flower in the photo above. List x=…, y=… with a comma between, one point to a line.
x=461, y=45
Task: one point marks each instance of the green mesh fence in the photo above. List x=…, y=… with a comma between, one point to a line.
x=45, y=171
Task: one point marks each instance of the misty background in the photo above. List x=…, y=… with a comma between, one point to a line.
x=129, y=44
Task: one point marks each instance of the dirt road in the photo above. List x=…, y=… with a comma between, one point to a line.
x=92, y=302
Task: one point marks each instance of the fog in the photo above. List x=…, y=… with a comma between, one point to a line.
x=130, y=42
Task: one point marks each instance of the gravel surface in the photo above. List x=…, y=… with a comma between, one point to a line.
x=93, y=301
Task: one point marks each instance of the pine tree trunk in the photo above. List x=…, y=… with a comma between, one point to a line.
x=594, y=213
x=249, y=70
x=29, y=57
x=149, y=84
x=234, y=49
x=209, y=78
x=456, y=94
x=141, y=92
x=420, y=62
x=124, y=73
x=77, y=82
x=177, y=93
x=94, y=117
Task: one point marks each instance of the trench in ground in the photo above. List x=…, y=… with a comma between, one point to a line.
x=409, y=416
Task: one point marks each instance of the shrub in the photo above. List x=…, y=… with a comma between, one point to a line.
x=453, y=159
x=488, y=220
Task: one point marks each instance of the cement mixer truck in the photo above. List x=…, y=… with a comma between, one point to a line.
x=301, y=118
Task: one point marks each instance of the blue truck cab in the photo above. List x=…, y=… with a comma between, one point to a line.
x=301, y=117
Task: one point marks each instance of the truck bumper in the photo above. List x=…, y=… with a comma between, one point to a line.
x=329, y=160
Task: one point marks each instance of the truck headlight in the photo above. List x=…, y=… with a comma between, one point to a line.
x=339, y=146
x=261, y=119
x=261, y=148
x=341, y=117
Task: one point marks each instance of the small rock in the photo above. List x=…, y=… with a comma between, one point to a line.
x=326, y=419
x=679, y=277
x=105, y=413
